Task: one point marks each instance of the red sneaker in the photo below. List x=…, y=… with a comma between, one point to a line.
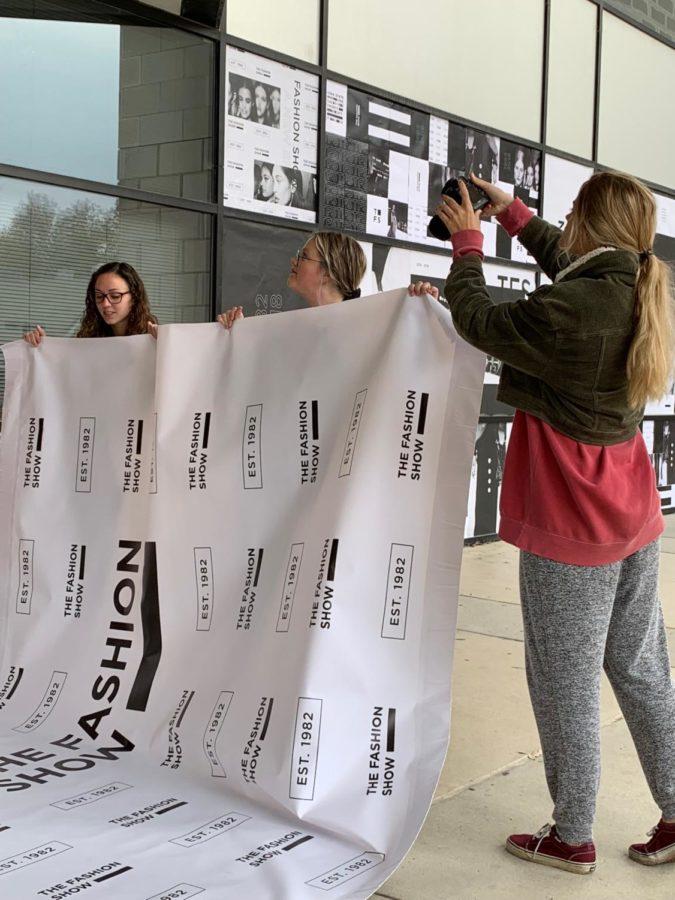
x=546, y=848
x=660, y=849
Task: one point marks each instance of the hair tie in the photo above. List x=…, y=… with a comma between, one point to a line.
x=645, y=254
x=352, y=295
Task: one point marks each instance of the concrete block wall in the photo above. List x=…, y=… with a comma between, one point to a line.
x=166, y=127
x=171, y=248
x=659, y=15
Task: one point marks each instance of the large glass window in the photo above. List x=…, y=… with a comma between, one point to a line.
x=121, y=104
x=637, y=120
x=287, y=26
x=571, y=88
x=257, y=262
x=480, y=59
x=51, y=239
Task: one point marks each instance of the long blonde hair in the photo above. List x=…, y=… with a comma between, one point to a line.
x=343, y=259
x=617, y=210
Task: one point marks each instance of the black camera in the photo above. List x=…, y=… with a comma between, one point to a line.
x=478, y=198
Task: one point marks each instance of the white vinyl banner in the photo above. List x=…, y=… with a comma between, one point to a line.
x=230, y=566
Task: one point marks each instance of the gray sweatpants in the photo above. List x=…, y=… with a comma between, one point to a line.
x=578, y=619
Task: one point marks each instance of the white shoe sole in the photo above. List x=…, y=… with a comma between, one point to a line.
x=543, y=860
x=666, y=855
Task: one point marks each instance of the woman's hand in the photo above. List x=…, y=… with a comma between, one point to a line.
x=418, y=288
x=152, y=329
x=34, y=338
x=499, y=199
x=458, y=217
x=227, y=319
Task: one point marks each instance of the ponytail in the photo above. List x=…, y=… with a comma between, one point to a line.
x=616, y=210
x=650, y=357
x=344, y=261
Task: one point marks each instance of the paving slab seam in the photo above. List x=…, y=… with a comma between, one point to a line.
x=490, y=599
x=520, y=761
x=500, y=637
x=532, y=756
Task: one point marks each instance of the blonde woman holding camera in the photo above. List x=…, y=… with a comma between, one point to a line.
x=581, y=358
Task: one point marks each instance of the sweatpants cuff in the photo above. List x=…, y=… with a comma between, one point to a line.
x=574, y=835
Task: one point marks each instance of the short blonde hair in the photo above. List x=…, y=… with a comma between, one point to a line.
x=344, y=260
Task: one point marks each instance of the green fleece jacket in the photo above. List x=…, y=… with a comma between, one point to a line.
x=565, y=346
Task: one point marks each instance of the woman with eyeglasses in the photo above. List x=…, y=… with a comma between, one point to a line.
x=116, y=305
x=328, y=269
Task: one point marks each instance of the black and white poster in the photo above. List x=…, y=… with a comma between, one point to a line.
x=664, y=245
x=562, y=181
x=271, y=137
x=487, y=473
x=519, y=174
x=258, y=263
x=659, y=435
x=386, y=165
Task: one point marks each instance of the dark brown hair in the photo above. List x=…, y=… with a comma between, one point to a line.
x=93, y=324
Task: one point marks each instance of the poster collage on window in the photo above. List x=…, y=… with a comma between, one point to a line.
x=386, y=165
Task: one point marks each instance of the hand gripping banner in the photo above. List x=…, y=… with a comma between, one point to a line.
x=228, y=586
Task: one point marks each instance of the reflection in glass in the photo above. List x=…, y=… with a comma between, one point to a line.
x=121, y=104
x=52, y=239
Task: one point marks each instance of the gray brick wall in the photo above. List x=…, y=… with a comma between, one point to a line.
x=165, y=133
x=165, y=127
x=171, y=249
x=659, y=15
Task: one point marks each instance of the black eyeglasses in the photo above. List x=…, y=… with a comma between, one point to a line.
x=113, y=296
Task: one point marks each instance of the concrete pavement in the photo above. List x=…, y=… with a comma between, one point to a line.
x=493, y=780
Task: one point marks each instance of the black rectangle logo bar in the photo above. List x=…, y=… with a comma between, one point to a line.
x=83, y=553
x=332, y=562
x=207, y=429
x=114, y=874
x=302, y=840
x=315, y=420
x=257, y=568
x=421, y=422
x=160, y=812
x=139, y=437
x=391, y=730
x=152, y=632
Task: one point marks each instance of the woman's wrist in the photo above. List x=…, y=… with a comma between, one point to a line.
x=470, y=240
x=515, y=217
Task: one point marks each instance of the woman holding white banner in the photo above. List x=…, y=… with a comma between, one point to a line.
x=328, y=269
x=581, y=358
x=116, y=305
